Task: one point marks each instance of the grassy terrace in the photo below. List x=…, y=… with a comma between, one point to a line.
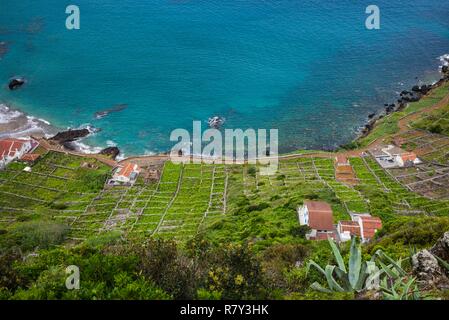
x=435, y=122
x=389, y=124
x=225, y=203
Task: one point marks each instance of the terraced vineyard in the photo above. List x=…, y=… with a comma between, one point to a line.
x=387, y=196
x=428, y=146
x=194, y=198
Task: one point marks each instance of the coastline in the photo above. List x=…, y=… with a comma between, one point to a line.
x=14, y=123
x=406, y=97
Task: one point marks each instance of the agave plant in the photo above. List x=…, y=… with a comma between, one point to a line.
x=342, y=279
x=389, y=266
x=395, y=284
x=402, y=288
x=443, y=263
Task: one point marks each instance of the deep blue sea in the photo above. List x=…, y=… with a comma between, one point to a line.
x=308, y=68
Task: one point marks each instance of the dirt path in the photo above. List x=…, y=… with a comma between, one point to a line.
x=403, y=125
x=404, y=122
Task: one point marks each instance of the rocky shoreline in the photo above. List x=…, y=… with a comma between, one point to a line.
x=69, y=139
x=416, y=93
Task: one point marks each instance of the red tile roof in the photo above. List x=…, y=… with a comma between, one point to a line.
x=320, y=215
x=408, y=156
x=370, y=225
x=127, y=170
x=352, y=226
x=31, y=157
x=10, y=147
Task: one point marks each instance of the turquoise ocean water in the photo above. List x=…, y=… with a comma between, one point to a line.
x=308, y=68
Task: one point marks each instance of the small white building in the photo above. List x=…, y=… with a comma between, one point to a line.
x=13, y=149
x=393, y=157
x=364, y=226
x=126, y=174
x=318, y=216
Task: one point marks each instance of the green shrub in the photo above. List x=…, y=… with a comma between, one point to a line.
x=38, y=234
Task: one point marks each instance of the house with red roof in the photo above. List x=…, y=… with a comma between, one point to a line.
x=13, y=149
x=364, y=226
x=319, y=217
x=392, y=156
x=30, y=157
x=126, y=174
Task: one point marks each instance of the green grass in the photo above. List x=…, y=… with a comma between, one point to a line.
x=435, y=122
x=389, y=124
x=222, y=203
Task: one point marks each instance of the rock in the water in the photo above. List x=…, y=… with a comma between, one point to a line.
x=112, y=152
x=371, y=115
x=390, y=109
x=441, y=248
x=70, y=135
x=425, y=89
x=426, y=267
x=103, y=113
x=416, y=89
x=16, y=83
x=445, y=69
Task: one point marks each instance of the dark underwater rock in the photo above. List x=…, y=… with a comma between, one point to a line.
x=112, y=152
x=16, y=83
x=70, y=135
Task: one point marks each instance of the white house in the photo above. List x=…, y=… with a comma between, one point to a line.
x=319, y=217
x=126, y=174
x=392, y=156
x=364, y=226
x=13, y=149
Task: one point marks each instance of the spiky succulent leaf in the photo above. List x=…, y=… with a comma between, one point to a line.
x=442, y=262
x=318, y=287
x=333, y=284
x=312, y=263
x=396, y=264
x=355, y=263
x=388, y=270
x=337, y=255
x=406, y=289
x=343, y=279
x=361, y=282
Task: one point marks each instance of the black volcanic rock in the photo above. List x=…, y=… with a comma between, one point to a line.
x=416, y=89
x=70, y=135
x=112, y=152
x=445, y=69
x=371, y=115
x=16, y=83
x=389, y=109
x=425, y=89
